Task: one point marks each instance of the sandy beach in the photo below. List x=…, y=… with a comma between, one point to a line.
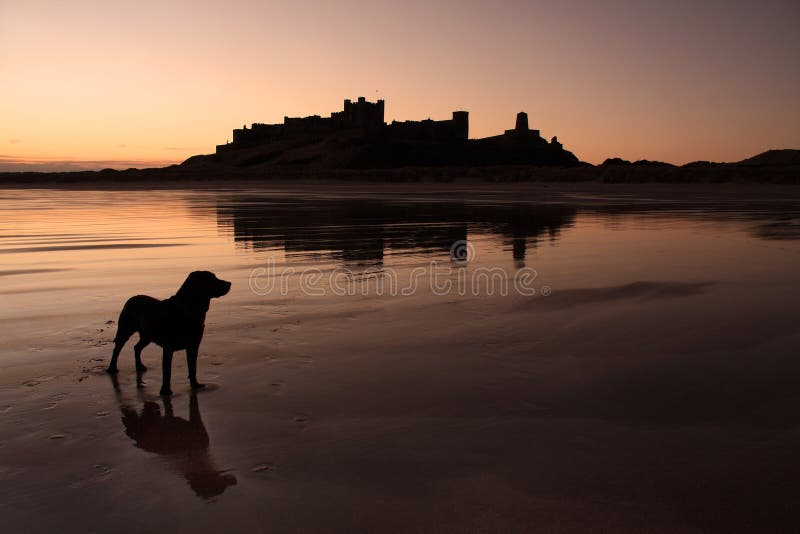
x=647, y=384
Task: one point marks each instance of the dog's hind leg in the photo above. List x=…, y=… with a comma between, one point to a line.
x=125, y=329
x=112, y=365
x=166, y=372
x=119, y=341
x=137, y=351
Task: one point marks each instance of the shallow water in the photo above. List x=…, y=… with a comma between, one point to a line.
x=502, y=339
x=74, y=254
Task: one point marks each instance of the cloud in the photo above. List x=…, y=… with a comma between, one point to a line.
x=14, y=141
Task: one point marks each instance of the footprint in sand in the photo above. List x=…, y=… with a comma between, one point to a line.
x=263, y=467
x=58, y=436
x=54, y=400
x=95, y=370
x=100, y=474
x=36, y=380
x=301, y=421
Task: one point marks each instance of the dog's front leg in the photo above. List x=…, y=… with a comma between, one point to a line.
x=166, y=372
x=191, y=363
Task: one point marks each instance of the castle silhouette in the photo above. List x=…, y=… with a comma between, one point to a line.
x=358, y=137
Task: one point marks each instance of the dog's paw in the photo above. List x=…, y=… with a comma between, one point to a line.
x=198, y=385
x=165, y=392
x=112, y=370
x=141, y=367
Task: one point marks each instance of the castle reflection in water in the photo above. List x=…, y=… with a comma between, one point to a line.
x=360, y=232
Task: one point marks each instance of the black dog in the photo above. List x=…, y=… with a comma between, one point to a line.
x=175, y=324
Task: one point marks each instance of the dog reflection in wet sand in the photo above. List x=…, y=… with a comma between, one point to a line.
x=184, y=443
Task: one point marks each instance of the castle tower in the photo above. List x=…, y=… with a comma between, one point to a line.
x=379, y=120
x=522, y=122
x=360, y=114
x=461, y=124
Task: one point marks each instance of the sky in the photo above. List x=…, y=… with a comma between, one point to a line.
x=93, y=84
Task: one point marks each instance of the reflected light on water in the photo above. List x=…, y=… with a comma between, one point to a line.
x=80, y=253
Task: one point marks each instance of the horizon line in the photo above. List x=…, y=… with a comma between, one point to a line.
x=12, y=164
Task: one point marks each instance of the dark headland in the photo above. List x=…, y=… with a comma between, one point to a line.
x=357, y=144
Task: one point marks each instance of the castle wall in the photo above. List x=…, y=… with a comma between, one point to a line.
x=361, y=114
x=455, y=129
x=307, y=125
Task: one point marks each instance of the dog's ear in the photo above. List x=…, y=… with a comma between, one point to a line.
x=195, y=289
x=203, y=286
x=190, y=287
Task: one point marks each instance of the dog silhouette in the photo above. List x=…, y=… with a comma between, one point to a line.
x=176, y=323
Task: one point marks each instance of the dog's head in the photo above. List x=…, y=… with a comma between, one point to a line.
x=203, y=286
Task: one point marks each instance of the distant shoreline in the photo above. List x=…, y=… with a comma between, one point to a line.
x=774, y=167
x=713, y=174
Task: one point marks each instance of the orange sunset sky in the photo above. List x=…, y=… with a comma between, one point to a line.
x=92, y=84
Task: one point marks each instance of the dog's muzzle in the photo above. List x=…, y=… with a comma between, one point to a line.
x=226, y=287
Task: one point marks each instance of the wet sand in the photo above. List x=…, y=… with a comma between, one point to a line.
x=653, y=389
